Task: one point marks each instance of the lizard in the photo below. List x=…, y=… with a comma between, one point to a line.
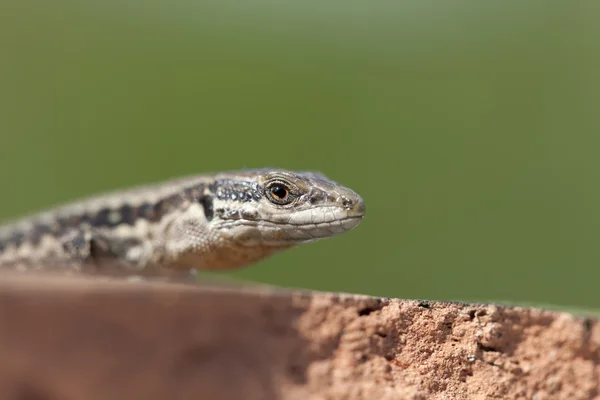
x=219, y=221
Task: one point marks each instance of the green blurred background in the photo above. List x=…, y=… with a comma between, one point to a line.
x=471, y=129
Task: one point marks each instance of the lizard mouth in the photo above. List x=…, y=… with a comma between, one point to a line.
x=273, y=233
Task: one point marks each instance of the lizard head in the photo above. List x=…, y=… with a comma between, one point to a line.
x=252, y=214
x=282, y=207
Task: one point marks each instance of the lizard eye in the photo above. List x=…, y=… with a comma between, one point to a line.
x=279, y=193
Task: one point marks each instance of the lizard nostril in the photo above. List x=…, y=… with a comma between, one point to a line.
x=355, y=206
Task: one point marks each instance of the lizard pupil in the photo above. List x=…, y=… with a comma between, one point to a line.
x=279, y=192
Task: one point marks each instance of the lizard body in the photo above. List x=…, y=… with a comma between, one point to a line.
x=214, y=222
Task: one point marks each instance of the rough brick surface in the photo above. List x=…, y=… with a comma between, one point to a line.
x=76, y=338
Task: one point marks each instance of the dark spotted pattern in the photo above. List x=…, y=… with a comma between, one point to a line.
x=128, y=214
x=145, y=211
x=225, y=189
x=76, y=246
x=106, y=218
x=17, y=238
x=207, y=205
x=102, y=218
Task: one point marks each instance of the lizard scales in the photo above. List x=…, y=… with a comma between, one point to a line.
x=222, y=221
